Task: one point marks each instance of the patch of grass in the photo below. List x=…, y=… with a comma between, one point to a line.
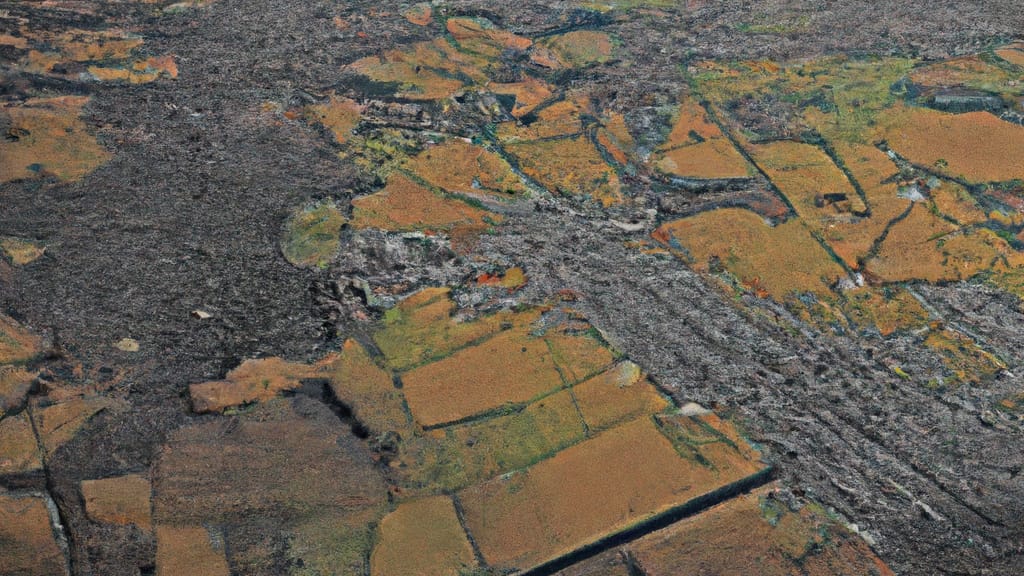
x=312, y=235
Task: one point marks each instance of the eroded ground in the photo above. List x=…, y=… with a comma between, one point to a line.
x=461, y=288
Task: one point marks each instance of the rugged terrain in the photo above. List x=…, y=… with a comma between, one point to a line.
x=188, y=187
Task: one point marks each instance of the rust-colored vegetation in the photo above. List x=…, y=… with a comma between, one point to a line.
x=46, y=137
x=617, y=395
x=1014, y=54
x=614, y=137
x=778, y=260
x=954, y=201
x=358, y=382
x=696, y=148
x=420, y=14
x=924, y=246
x=975, y=146
x=104, y=55
x=56, y=424
x=510, y=368
x=558, y=119
x=253, y=381
x=754, y=533
x=528, y=92
x=461, y=167
x=338, y=115
x=852, y=239
x=15, y=383
x=480, y=36
x=139, y=72
x=572, y=167
x=814, y=185
x=497, y=410
x=423, y=71
x=189, y=550
x=578, y=351
x=29, y=546
x=19, y=449
x=119, y=500
x=422, y=537
x=28, y=437
x=634, y=471
x=405, y=206
x=888, y=309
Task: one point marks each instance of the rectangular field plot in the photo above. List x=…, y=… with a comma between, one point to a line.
x=593, y=490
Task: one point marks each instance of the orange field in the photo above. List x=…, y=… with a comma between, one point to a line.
x=852, y=240
x=711, y=160
x=422, y=537
x=621, y=393
x=339, y=115
x=105, y=55
x=571, y=166
x=424, y=71
x=778, y=260
x=512, y=367
x=405, y=206
x=524, y=519
x=560, y=118
x=954, y=201
x=480, y=36
x=370, y=392
x=529, y=93
x=188, y=550
x=458, y=166
x=615, y=138
x=420, y=14
x=58, y=423
x=47, y=137
x=423, y=327
x=252, y=381
x=976, y=146
x=578, y=354
x=118, y=500
x=1013, y=55
x=15, y=383
x=805, y=175
x=756, y=534
x=139, y=72
x=696, y=148
x=29, y=546
x=19, y=449
x=926, y=247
